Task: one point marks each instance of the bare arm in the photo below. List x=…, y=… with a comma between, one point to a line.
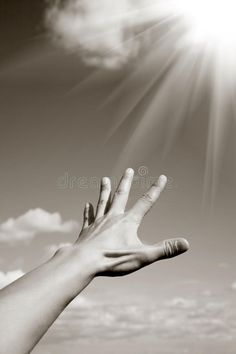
x=108, y=245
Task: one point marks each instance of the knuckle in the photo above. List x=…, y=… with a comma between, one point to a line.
x=170, y=248
x=120, y=192
x=105, y=188
x=102, y=202
x=147, y=199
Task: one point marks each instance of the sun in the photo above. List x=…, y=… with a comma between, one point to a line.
x=210, y=21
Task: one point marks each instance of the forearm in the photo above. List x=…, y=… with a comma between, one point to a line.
x=108, y=245
x=30, y=305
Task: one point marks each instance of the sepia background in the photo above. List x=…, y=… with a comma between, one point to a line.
x=71, y=114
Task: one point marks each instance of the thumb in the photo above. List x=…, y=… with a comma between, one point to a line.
x=169, y=249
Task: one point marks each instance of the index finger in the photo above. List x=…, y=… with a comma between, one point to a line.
x=122, y=193
x=145, y=203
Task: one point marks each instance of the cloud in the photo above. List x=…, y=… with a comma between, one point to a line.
x=103, y=33
x=32, y=223
x=185, y=318
x=9, y=277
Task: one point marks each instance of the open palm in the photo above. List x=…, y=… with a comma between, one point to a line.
x=110, y=236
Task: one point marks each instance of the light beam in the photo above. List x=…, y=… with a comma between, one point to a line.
x=179, y=51
x=210, y=21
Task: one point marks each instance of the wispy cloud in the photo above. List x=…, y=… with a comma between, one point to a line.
x=32, y=223
x=202, y=318
x=9, y=277
x=103, y=32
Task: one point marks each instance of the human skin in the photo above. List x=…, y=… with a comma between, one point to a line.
x=108, y=245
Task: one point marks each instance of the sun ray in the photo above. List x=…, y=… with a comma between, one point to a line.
x=175, y=51
x=97, y=70
x=152, y=67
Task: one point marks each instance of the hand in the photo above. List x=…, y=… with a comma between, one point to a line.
x=109, y=240
x=107, y=245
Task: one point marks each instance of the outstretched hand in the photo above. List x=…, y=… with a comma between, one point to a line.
x=107, y=245
x=109, y=237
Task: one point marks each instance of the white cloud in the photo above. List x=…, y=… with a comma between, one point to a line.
x=9, y=277
x=103, y=32
x=186, y=318
x=33, y=222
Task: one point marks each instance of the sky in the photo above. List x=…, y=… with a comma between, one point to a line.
x=69, y=115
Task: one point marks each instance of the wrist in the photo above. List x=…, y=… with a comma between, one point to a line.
x=73, y=269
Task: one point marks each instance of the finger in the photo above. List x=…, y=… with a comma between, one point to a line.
x=108, y=206
x=122, y=193
x=144, y=204
x=91, y=214
x=88, y=215
x=105, y=191
x=167, y=249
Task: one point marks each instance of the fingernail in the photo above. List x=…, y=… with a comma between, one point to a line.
x=182, y=245
x=162, y=180
x=87, y=205
x=105, y=180
x=130, y=171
